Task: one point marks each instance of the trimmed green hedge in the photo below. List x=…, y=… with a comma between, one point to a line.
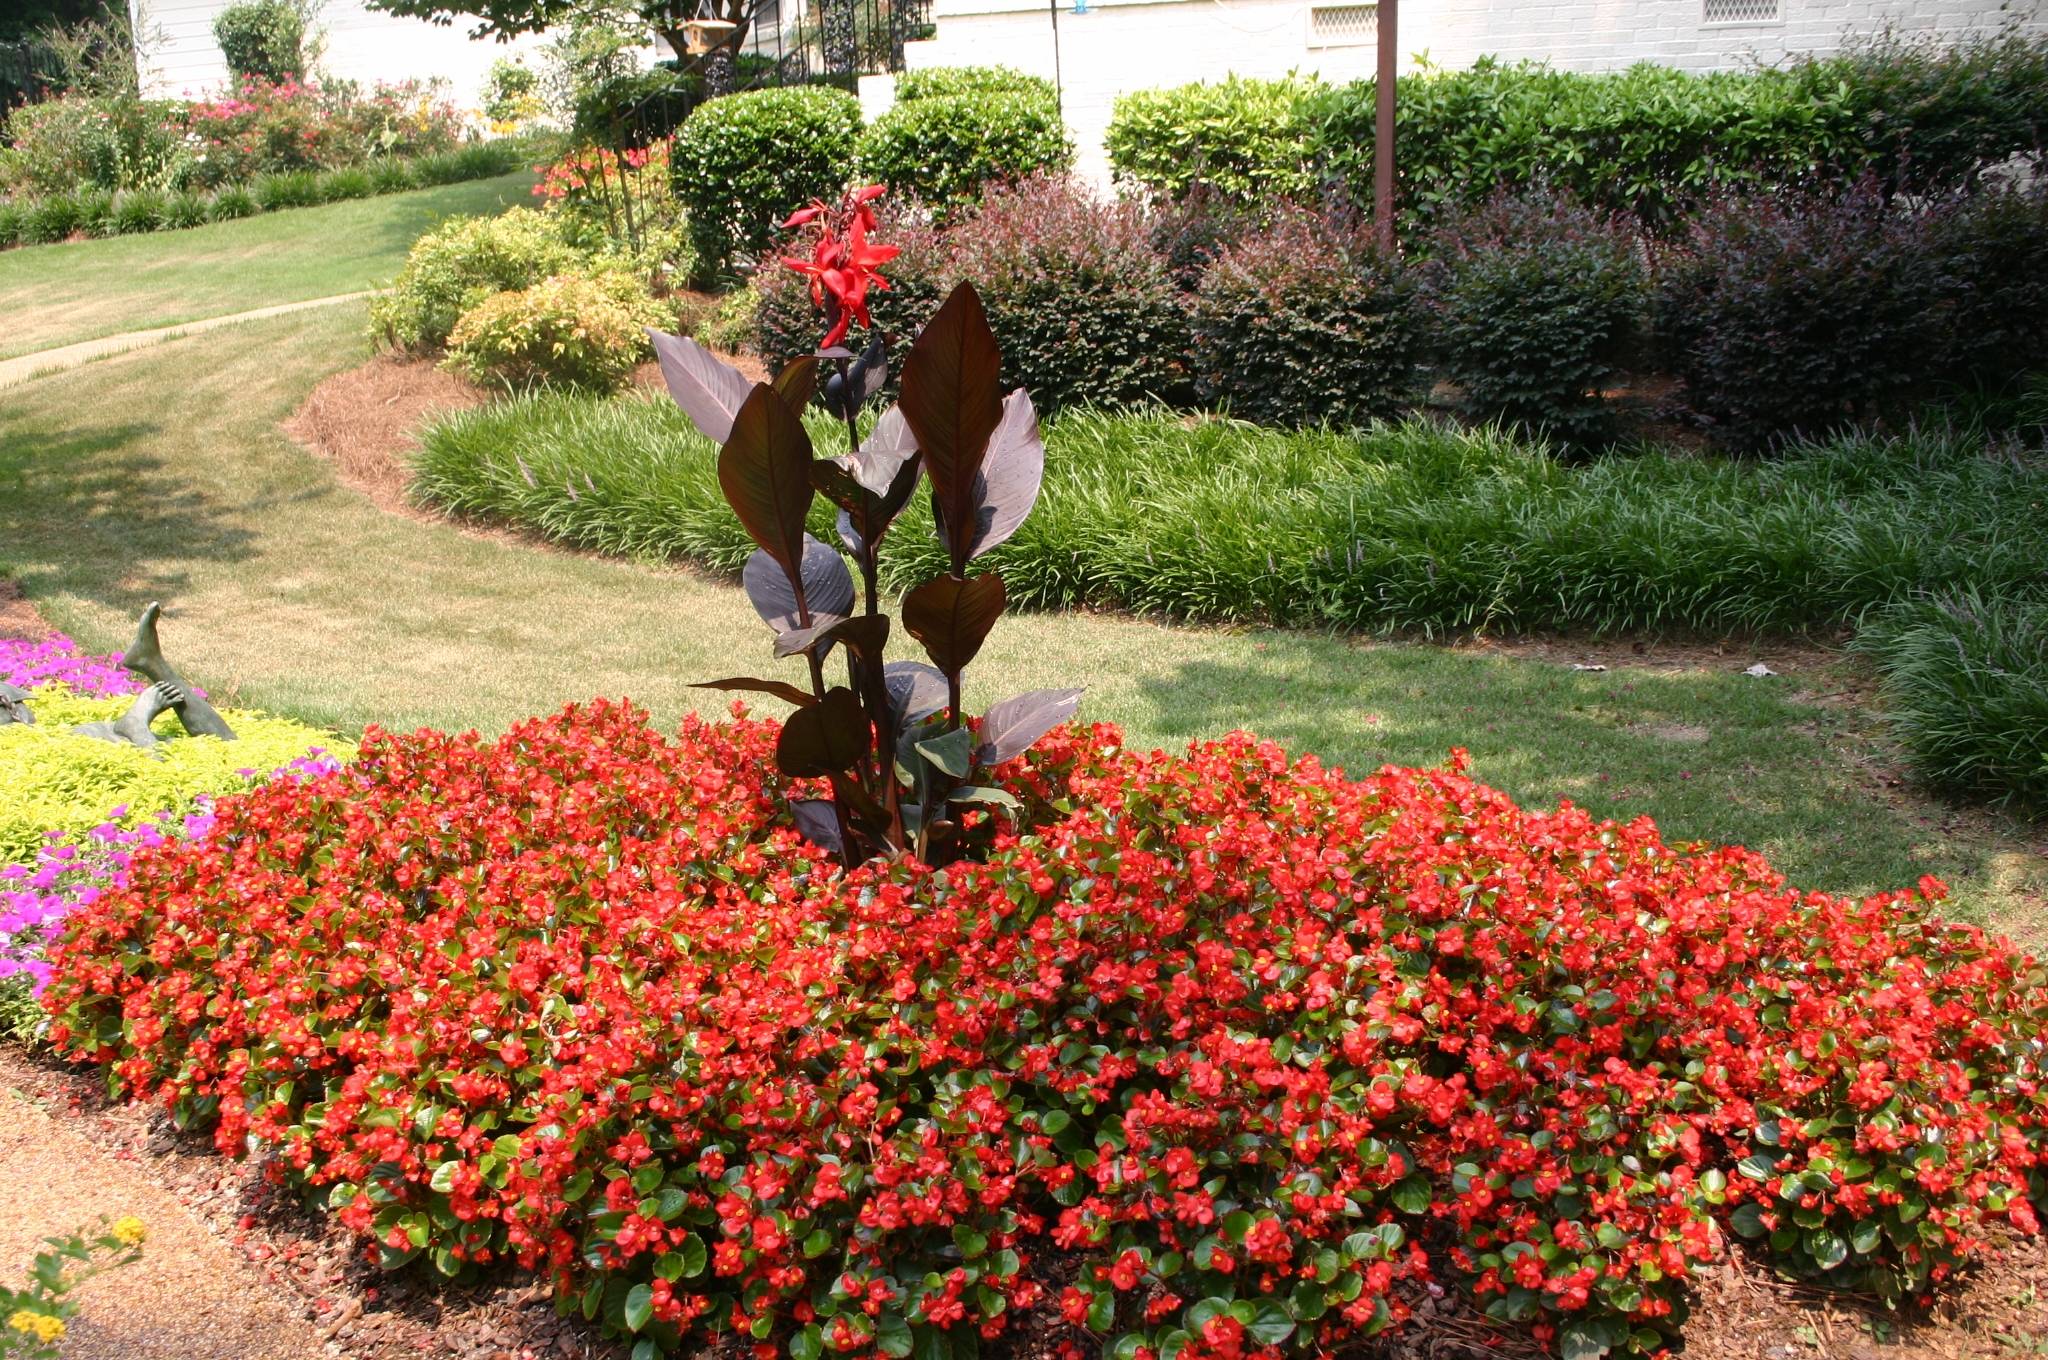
x=96, y=212
x=744, y=162
x=946, y=149
x=1649, y=141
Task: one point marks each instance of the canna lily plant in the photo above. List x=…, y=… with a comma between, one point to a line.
x=900, y=756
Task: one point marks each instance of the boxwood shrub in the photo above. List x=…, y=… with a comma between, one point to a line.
x=1303, y=323
x=1533, y=302
x=743, y=162
x=945, y=82
x=1650, y=141
x=1218, y=1053
x=946, y=149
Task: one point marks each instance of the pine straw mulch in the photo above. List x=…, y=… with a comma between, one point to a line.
x=18, y=618
x=1999, y=1311
x=365, y=420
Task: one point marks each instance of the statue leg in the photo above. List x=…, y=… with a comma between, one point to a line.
x=132, y=728
x=146, y=658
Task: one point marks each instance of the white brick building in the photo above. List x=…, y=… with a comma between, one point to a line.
x=1119, y=45
x=180, y=57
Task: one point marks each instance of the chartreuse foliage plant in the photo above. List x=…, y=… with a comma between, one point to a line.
x=1205, y=1055
x=57, y=782
x=893, y=742
x=586, y=328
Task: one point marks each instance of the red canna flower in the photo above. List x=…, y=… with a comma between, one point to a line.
x=843, y=263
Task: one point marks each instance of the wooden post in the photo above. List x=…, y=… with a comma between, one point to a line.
x=1383, y=128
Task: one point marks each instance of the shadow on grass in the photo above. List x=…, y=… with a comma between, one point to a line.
x=85, y=511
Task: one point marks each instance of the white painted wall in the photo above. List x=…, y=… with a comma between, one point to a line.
x=1121, y=45
x=180, y=57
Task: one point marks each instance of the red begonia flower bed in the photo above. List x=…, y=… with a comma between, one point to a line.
x=1208, y=1060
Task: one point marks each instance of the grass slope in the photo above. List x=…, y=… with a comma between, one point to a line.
x=59, y=295
x=161, y=474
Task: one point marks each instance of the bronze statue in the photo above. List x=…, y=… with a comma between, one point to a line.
x=146, y=659
x=14, y=706
x=132, y=727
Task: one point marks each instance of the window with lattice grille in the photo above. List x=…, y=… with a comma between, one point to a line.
x=1740, y=11
x=1343, y=25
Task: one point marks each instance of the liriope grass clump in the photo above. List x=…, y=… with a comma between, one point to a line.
x=1409, y=527
x=1966, y=689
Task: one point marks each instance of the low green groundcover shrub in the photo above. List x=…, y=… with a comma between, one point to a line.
x=1303, y=323
x=1966, y=689
x=457, y=265
x=1213, y=1055
x=57, y=782
x=585, y=329
x=742, y=162
x=1533, y=302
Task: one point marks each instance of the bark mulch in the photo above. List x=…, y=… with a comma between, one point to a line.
x=271, y=1275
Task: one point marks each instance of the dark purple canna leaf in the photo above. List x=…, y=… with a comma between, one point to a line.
x=1009, y=728
x=872, y=486
x=1007, y=486
x=865, y=635
x=764, y=470
x=781, y=689
x=916, y=691
x=870, y=372
x=952, y=617
x=710, y=390
x=829, y=736
x=828, y=586
x=953, y=401
x=883, y=453
x=818, y=823
x=798, y=382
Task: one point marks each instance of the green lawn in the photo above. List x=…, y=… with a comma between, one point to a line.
x=62, y=294
x=161, y=474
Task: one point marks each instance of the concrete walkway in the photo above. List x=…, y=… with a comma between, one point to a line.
x=26, y=366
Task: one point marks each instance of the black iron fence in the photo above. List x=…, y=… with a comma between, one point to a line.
x=782, y=42
x=21, y=65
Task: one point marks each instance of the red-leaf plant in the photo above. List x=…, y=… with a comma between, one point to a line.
x=892, y=742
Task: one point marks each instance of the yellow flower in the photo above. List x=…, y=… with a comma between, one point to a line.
x=129, y=1231
x=39, y=1325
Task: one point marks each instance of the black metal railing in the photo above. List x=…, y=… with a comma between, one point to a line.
x=781, y=42
x=22, y=65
